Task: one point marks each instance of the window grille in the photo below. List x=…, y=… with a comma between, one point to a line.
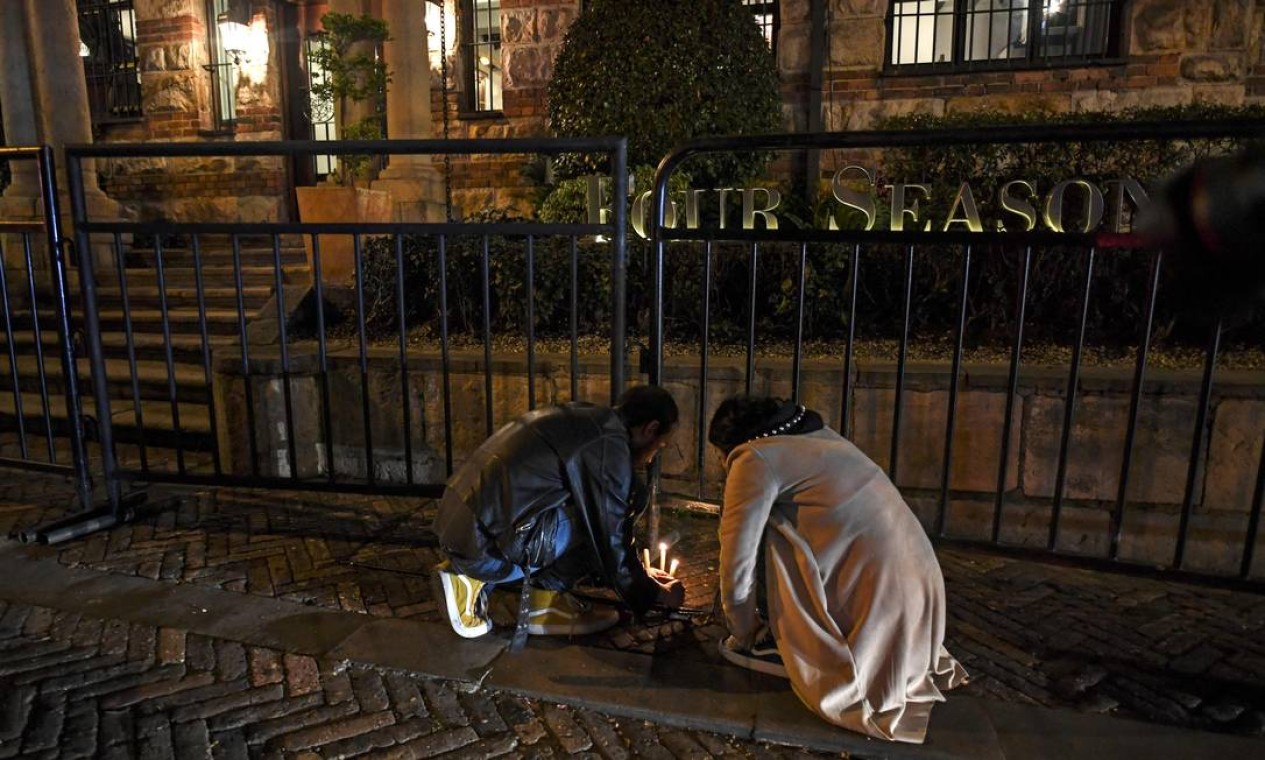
x=223, y=69
x=107, y=45
x=1001, y=33
x=481, y=27
x=766, y=17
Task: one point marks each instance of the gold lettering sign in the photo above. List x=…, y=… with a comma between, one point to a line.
x=1020, y=205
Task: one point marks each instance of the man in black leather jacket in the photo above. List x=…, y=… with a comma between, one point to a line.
x=553, y=496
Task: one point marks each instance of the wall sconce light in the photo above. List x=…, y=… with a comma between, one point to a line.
x=234, y=27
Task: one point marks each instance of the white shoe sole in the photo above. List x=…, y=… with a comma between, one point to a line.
x=454, y=615
x=752, y=663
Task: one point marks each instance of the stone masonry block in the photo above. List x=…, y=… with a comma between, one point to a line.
x=866, y=43
x=519, y=26
x=976, y=437
x=1096, y=449
x=1234, y=454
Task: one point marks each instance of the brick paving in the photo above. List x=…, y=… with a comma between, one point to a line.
x=1030, y=633
x=74, y=686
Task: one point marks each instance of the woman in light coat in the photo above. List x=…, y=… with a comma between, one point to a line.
x=855, y=597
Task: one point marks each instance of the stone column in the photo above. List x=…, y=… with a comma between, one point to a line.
x=45, y=97
x=414, y=183
x=21, y=200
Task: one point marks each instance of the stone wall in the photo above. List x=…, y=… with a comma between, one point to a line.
x=531, y=35
x=177, y=106
x=1222, y=495
x=1173, y=52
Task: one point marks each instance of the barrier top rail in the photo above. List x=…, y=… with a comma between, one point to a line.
x=546, y=145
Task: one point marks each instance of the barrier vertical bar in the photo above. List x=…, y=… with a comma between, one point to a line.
x=955, y=377
x=322, y=359
x=485, y=271
x=445, y=359
x=704, y=364
x=619, y=287
x=164, y=317
x=752, y=284
x=531, y=322
x=403, y=335
x=1139, y=377
x=204, y=334
x=18, y=412
x=61, y=302
x=244, y=342
x=575, y=320
x=362, y=338
x=1012, y=391
x=129, y=342
x=92, y=335
x=798, y=361
x=1069, y=407
x=898, y=400
x=845, y=415
x=1197, y=445
x=38, y=335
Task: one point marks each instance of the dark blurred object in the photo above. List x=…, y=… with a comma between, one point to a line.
x=1210, y=217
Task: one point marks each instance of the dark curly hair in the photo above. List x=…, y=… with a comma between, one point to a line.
x=740, y=418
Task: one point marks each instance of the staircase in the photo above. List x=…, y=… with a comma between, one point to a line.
x=141, y=407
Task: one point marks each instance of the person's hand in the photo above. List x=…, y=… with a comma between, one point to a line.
x=659, y=576
x=671, y=594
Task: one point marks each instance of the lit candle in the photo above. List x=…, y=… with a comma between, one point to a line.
x=675, y=563
x=645, y=555
x=663, y=556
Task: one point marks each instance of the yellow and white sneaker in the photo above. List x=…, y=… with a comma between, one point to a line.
x=557, y=613
x=466, y=599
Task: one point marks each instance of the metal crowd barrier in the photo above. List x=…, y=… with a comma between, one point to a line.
x=141, y=412
x=44, y=426
x=668, y=240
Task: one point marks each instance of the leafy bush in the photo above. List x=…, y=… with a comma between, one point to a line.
x=662, y=72
x=1056, y=278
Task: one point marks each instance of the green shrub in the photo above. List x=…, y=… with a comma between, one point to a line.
x=662, y=72
x=1055, y=282
x=1056, y=279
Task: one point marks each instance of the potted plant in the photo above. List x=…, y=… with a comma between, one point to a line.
x=353, y=81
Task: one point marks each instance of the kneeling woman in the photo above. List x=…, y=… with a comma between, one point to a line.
x=855, y=595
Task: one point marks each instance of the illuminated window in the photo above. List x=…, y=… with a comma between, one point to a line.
x=765, y=12
x=1021, y=33
x=107, y=45
x=224, y=69
x=481, y=31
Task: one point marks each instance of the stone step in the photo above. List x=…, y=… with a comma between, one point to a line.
x=186, y=348
x=183, y=257
x=181, y=294
x=158, y=428
x=151, y=378
x=145, y=319
x=219, y=275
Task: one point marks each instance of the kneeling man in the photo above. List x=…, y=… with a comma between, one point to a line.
x=550, y=499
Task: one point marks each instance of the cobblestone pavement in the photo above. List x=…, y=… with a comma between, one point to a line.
x=73, y=686
x=1029, y=632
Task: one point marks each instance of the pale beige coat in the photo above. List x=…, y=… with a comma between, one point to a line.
x=855, y=594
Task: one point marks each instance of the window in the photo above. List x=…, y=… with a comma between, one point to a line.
x=481, y=29
x=320, y=111
x=765, y=12
x=107, y=44
x=223, y=67
x=999, y=33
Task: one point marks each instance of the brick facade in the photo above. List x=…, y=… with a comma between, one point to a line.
x=1171, y=52
x=172, y=48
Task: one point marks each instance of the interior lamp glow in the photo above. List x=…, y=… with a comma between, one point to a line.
x=234, y=28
